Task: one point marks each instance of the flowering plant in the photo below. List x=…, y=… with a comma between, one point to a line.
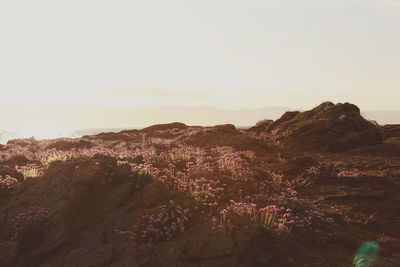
x=161, y=224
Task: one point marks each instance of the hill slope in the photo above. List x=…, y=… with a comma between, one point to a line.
x=178, y=195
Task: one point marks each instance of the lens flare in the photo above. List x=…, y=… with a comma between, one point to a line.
x=367, y=255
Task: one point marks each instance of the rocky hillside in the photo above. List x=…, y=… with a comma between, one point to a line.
x=328, y=127
x=305, y=190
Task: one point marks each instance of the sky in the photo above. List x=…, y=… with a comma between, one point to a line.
x=59, y=56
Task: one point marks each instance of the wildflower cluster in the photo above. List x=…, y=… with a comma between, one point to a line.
x=275, y=207
x=16, y=150
x=7, y=181
x=161, y=224
x=205, y=190
x=209, y=176
x=48, y=156
x=237, y=214
x=234, y=163
x=30, y=170
x=185, y=153
x=5, y=184
x=313, y=174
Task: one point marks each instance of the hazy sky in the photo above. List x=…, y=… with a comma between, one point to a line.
x=221, y=53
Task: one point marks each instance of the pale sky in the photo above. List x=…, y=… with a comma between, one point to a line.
x=235, y=54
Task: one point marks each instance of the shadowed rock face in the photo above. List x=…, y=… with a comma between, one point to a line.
x=328, y=127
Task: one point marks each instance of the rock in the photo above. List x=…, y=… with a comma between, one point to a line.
x=114, y=137
x=162, y=127
x=65, y=144
x=328, y=127
x=23, y=142
x=287, y=116
x=261, y=126
x=225, y=128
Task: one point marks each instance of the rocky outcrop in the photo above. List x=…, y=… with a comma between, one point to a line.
x=163, y=127
x=261, y=126
x=328, y=127
x=223, y=135
x=64, y=144
x=23, y=142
